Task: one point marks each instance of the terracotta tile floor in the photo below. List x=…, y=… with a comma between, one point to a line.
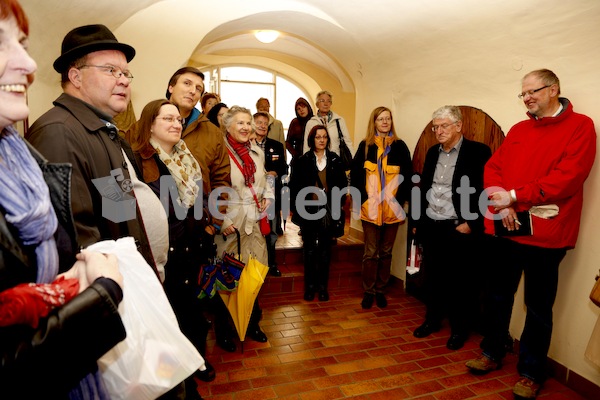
x=336, y=350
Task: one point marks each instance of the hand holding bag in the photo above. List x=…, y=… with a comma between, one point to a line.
x=155, y=356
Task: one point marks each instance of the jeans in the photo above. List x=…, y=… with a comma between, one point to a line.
x=509, y=261
x=377, y=259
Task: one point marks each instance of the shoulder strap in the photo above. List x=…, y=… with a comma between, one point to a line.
x=337, y=122
x=232, y=156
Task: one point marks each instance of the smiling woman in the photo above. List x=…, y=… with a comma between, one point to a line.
x=46, y=341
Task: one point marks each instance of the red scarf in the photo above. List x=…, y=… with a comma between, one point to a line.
x=243, y=151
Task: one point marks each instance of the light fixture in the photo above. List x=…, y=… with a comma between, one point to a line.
x=266, y=36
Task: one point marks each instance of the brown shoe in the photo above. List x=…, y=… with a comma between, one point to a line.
x=482, y=365
x=526, y=388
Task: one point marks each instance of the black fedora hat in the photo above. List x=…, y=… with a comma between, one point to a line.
x=87, y=39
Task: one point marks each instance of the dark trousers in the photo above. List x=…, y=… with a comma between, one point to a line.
x=377, y=258
x=509, y=260
x=451, y=281
x=317, y=257
x=181, y=291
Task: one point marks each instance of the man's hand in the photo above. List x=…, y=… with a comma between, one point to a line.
x=464, y=228
x=501, y=200
x=509, y=219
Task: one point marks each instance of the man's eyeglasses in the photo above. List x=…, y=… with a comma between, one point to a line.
x=434, y=128
x=172, y=119
x=531, y=92
x=324, y=101
x=114, y=71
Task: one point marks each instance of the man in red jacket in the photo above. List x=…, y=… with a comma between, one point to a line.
x=534, y=182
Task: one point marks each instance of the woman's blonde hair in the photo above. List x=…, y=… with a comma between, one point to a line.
x=372, y=132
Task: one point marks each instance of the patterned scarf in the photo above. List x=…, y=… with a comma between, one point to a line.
x=383, y=149
x=26, y=202
x=184, y=169
x=243, y=151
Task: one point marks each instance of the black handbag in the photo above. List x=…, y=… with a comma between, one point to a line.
x=345, y=154
x=334, y=226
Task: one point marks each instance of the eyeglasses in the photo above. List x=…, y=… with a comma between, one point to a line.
x=320, y=137
x=434, y=128
x=172, y=119
x=324, y=101
x=114, y=71
x=531, y=92
x=387, y=119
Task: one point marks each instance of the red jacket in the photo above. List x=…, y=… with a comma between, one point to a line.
x=546, y=161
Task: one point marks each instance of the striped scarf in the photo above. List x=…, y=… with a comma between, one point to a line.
x=383, y=149
x=25, y=200
x=248, y=166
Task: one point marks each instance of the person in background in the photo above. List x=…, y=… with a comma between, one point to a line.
x=165, y=155
x=295, y=136
x=215, y=115
x=275, y=125
x=54, y=356
x=277, y=168
x=323, y=172
x=336, y=125
x=538, y=172
x=450, y=227
x=208, y=101
x=381, y=171
x=243, y=214
x=96, y=83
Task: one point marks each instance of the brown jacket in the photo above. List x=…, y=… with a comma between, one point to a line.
x=207, y=144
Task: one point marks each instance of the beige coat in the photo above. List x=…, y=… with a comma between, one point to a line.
x=242, y=211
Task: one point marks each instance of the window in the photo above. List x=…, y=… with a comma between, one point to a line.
x=243, y=86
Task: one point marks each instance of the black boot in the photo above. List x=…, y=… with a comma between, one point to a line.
x=254, y=331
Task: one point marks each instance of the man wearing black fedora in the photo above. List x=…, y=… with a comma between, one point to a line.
x=78, y=130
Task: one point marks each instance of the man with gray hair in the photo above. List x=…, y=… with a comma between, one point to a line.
x=449, y=226
x=535, y=185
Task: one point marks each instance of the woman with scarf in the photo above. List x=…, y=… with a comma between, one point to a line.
x=295, y=137
x=49, y=343
x=169, y=167
x=381, y=171
x=322, y=172
x=255, y=194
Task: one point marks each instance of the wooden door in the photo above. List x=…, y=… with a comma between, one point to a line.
x=477, y=125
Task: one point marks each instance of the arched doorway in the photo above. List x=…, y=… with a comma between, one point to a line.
x=477, y=125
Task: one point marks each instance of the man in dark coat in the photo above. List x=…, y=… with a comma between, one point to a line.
x=79, y=130
x=276, y=167
x=449, y=225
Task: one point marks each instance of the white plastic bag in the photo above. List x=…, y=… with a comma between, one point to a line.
x=415, y=256
x=155, y=356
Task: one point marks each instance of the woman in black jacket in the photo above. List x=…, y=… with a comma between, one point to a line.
x=49, y=357
x=168, y=168
x=324, y=177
